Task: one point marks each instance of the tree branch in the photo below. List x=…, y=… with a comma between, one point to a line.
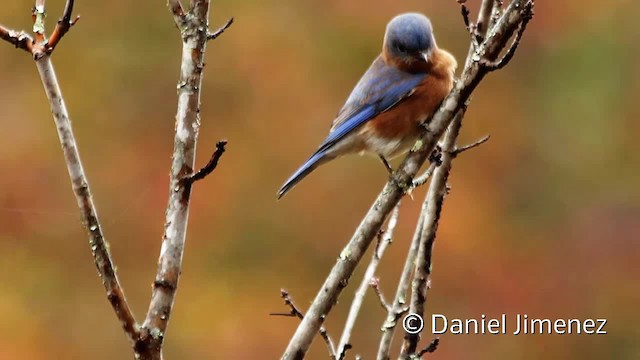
x=400, y=182
x=220, y=31
x=367, y=281
x=80, y=185
x=41, y=50
x=62, y=27
x=459, y=150
x=19, y=39
x=430, y=220
x=484, y=16
x=432, y=347
x=146, y=339
x=493, y=65
x=211, y=165
x=295, y=312
x=182, y=176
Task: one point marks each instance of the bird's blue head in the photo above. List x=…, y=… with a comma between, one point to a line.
x=409, y=38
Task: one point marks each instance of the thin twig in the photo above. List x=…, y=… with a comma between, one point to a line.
x=496, y=12
x=295, y=312
x=375, y=285
x=211, y=165
x=422, y=179
x=459, y=150
x=398, y=185
x=484, y=17
x=368, y=280
x=176, y=9
x=62, y=27
x=492, y=65
x=220, y=31
x=432, y=347
x=464, y=10
x=399, y=305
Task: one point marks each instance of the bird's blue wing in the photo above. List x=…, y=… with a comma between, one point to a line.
x=380, y=88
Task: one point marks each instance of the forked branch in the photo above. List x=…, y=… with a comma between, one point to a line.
x=402, y=179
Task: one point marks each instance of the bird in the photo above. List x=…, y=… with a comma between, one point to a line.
x=401, y=89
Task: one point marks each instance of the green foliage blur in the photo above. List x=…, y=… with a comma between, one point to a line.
x=544, y=219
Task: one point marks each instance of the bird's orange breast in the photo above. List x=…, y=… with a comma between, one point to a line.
x=397, y=129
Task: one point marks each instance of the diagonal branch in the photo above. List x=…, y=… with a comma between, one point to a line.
x=211, y=165
x=459, y=150
x=79, y=182
x=368, y=281
x=62, y=27
x=430, y=219
x=493, y=65
x=400, y=182
x=484, y=16
x=220, y=31
x=80, y=185
x=177, y=11
x=295, y=312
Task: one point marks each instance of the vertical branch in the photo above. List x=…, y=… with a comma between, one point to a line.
x=193, y=28
x=399, y=305
x=429, y=220
x=484, y=16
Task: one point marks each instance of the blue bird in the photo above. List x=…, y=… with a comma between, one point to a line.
x=402, y=88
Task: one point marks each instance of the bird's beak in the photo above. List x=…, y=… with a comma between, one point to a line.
x=425, y=55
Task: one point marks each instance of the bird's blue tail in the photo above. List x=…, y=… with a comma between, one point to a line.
x=314, y=161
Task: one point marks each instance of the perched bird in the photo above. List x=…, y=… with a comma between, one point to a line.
x=401, y=89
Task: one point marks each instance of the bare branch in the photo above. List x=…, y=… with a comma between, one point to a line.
x=194, y=40
x=430, y=218
x=295, y=312
x=220, y=31
x=464, y=10
x=484, y=16
x=79, y=182
x=211, y=165
x=64, y=24
x=375, y=285
x=399, y=184
x=19, y=39
x=422, y=179
x=432, y=347
x=177, y=11
x=368, y=280
x=496, y=12
x=398, y=307
x=330, y=346
x=492, y=65
x=459, y=150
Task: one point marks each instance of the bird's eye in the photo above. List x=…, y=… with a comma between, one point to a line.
x=401, y=48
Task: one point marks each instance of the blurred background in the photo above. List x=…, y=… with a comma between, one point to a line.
x=544, y=219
